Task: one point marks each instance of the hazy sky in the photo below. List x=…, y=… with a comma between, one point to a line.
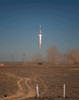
x=20, y=21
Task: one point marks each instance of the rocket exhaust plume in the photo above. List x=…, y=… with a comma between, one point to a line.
x=40, y=41
x=40, y=38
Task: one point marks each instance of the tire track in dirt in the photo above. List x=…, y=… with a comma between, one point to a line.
x=25, y=90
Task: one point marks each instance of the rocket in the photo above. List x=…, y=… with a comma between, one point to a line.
x=40, y=38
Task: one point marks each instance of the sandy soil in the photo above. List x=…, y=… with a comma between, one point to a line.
x=24, y=89
x=50, y=79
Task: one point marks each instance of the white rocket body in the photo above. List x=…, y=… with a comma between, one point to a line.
x=40, y=38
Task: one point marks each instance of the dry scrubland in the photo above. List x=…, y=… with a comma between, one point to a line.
x=18, y=82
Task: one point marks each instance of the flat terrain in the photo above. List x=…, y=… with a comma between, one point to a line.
x=18, y=82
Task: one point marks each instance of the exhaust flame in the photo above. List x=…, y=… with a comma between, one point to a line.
x=40, y=38
x=40, y=35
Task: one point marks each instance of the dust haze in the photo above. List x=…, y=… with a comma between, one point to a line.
x=18, y=80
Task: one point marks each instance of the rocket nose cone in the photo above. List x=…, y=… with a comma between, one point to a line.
x=40, y=34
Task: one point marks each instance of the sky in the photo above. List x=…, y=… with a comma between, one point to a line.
x=20, y=22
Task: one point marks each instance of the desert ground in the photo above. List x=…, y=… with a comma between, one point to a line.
x=18, y=81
